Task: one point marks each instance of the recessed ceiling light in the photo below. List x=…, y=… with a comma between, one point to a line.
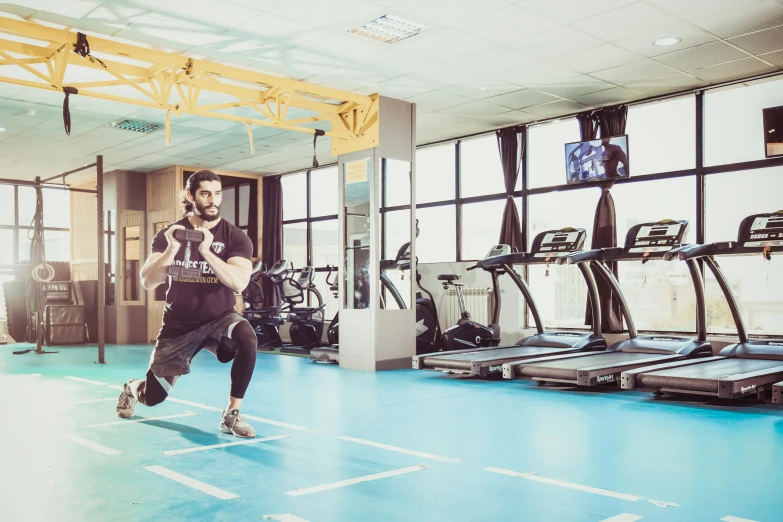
x=669, y=40
x=2, y=129
x=482, y=88
x=388, y=29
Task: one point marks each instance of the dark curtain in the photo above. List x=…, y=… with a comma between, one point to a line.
x=611, y=122
x=511, y=145
x=272, y=248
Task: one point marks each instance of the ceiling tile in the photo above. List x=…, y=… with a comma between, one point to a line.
x=634, y=72
x=693, y=9
x=733, y=70
x=537, y=74
x=555, y=42
x=701, y=56
x=480, y=89
x=503, y=119
x=555, y=109
x=443, y=75
x=754, y=15
x=442, y=43
x=775, y=58
x=642, y=43
x=576, y=86
x=492, y=61
x=506, y=25
x=569, y=11
x=626, y=22
x=480, y=107
x=597, y=58
x=760, y=42
x=436, y=100
x=445, y=13
x=608, y=97
x=667, y=84
x=521, y=99
x=344, y=14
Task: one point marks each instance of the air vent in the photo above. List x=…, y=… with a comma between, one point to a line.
x=137, y=126
x=388, y=29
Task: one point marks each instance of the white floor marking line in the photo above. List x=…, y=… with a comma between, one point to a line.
x=398, y=450
x=250, y=417
x=736, y=519
x=92, y=445
x=357, y=480
x=225, y=445
x=143, y=419
x=35, y=375
x=86, y=381
x=190, y=482
x=115, y=387
x=285, y=517
x=571, y=485
x=281, y=424
x=625, y=517
x=88, y=401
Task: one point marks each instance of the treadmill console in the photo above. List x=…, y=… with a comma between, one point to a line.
x=558, y=243
x=656, y=237
x=498, y=250
x=762, y=230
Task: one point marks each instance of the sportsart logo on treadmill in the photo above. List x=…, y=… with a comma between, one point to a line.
x=749, y=389
x=665, y=339
x=495, y=368
x=773, y=343
x=605, y=378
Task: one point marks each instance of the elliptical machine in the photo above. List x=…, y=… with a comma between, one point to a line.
x=467, y=334
x=307, y=322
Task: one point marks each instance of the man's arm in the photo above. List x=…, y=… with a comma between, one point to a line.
x=234, y=273
x=155, y=270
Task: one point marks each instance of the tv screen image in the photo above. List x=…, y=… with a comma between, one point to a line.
x=773, y=131
x=597, y=160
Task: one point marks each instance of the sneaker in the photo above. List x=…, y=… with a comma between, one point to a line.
x=234, y=423
x=127, y=402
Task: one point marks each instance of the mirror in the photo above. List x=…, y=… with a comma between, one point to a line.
x=356, y=186
x=131, y=253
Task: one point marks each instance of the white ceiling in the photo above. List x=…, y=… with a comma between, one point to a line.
x=479, y=66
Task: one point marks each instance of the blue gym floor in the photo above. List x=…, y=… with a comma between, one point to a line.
x=455, y=450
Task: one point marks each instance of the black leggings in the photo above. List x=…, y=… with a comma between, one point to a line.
x=241, y=347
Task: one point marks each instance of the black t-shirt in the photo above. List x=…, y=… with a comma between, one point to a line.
x=191, y=303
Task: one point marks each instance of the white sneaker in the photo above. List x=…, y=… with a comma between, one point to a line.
x=127, y=402
x=235, y=424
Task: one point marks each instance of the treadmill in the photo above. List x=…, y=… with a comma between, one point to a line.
x=746, y=368
x=777, y=393
x=645, y=242
x=547, y=247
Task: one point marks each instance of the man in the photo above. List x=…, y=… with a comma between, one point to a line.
x=199, y=313
x=611, y=156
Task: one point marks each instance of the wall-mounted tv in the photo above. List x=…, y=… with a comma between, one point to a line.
x=597, y=160
x=773, y=131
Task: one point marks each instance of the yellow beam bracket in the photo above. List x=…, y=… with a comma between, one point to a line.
x=41, y=56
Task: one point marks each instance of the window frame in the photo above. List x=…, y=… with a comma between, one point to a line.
x=698, y=174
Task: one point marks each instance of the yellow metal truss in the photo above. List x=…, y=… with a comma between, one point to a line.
x=173, y=83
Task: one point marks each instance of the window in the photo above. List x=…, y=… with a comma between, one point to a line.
x=244, y=206
x=57, y=244
x=437, y=241
x=546, y=164
x=733, y=123
x=480, y=170
x=757, y=284
x=561, y=296
x=3, y=279
x=324, y=243
x=7, y=252
x=435, y=170
x=7, y=209
x=295, y=244
x=398, y=183
x=480, y=228
x=57, y=208
x=294, y=196
x=662, y=136
x=27, y=201
x=397, y=232
x=659, y=293
x=228, y=205
x=323, y=186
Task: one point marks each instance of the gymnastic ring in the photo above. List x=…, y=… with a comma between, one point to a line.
x=49, y=276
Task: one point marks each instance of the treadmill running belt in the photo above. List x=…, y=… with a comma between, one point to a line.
x=704, y=377
x=464, y=360
x=566, y=369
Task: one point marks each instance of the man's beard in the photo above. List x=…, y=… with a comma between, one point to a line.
x=202, y=212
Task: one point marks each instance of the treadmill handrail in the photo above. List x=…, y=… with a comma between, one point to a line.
x=674, y=252
x=709, y=249
x=598, y=254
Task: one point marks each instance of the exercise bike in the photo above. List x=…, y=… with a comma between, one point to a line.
x=264, y=318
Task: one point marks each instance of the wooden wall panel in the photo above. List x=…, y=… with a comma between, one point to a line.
x=84, y=233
